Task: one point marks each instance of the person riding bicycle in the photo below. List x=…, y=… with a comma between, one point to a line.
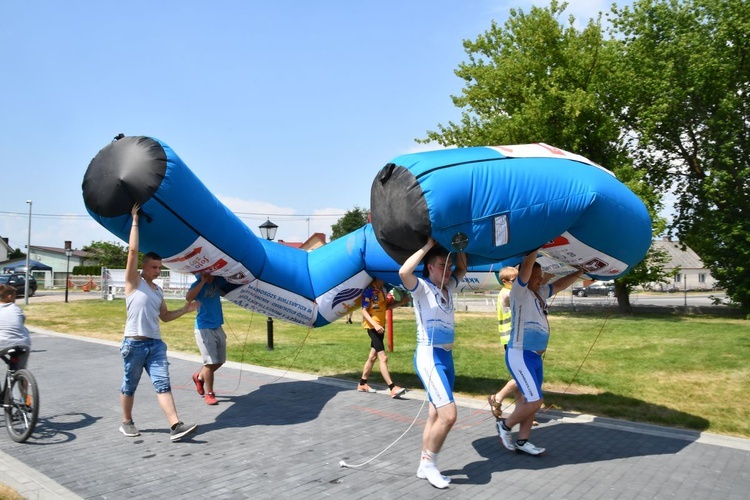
x=13, y=332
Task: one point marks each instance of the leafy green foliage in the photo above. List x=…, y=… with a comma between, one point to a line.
x=650, y=269
x=538, y=80
x=685, y=82
x=16, y=254
x=108, y=254
x=86, y=270
x=351, y=221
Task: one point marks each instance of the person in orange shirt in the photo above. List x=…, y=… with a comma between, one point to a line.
x=374, y=306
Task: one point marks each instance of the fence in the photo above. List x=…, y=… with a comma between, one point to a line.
x=112, y=282
x=56, y=280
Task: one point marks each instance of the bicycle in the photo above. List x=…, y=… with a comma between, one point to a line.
x=20, y=397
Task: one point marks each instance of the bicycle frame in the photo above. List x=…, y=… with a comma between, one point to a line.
x=19, y=396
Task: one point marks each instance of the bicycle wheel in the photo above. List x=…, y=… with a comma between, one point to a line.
x=22, y=405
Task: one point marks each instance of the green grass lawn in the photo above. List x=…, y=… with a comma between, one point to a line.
x=680, y=371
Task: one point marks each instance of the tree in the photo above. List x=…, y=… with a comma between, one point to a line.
x=16, y=254
x=537, y=80
x=108, y=254
x=686, y=68
x=351, y=221
x=651, y=268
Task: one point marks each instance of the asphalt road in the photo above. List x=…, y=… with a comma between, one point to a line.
x=692, y=299
x=278, y=434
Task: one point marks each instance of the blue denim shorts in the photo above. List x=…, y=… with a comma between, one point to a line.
x=149, y=355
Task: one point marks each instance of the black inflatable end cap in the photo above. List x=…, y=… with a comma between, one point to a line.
x=400, y=219
x=128, y=170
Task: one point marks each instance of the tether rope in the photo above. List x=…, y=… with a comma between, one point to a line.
x=295, y=354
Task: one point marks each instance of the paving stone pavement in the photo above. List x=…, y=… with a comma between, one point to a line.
x=278, y=434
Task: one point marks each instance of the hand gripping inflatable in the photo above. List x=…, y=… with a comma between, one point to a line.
x=499, y=203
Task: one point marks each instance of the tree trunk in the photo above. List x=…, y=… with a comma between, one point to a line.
x=623, y=298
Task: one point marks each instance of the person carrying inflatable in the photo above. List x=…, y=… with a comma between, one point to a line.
x=433, y=359
x=529, y=336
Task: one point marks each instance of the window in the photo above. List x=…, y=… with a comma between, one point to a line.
x=702, y=278
x=677, y=278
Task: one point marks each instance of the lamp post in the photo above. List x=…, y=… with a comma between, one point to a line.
x=68, y=253
x=28, y=258
x=684, y=288
x=268, y=231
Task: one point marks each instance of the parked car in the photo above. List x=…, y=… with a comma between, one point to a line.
x=607, y=289
x=19, y=281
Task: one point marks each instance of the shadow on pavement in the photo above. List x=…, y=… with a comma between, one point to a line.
x=61, y=428
x=569, y=444
x=611, y=405
x=280, y=403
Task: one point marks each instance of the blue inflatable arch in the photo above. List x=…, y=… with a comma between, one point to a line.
x=496, y=204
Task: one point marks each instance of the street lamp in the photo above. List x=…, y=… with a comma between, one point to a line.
x=268, y=231
x=68, y=253
x=28, y=258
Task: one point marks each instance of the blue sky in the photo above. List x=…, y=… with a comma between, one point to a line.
x=284, y=109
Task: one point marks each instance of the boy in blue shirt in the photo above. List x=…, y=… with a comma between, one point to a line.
x=209, y=335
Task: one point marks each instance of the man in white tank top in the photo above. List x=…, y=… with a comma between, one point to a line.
x=142, y=347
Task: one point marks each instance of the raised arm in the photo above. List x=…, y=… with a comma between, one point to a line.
x=527, y=265
x=132, y=278
x=461, y=265
x=195, y=289
x=406, y=272
x=565, y=281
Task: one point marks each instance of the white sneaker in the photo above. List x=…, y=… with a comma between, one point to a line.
x=505, y=436
x=421, y=475
x=432, y=474
x=530, y=449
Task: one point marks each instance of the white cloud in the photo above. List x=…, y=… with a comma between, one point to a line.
x=294, y=226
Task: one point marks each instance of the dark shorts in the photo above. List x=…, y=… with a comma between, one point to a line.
x=21, y=360
x=376, y=339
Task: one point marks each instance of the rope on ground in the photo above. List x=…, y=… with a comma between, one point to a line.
x=356, y=466
x=575, y=375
